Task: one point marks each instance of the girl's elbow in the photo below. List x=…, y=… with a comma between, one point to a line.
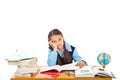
x=50, y=63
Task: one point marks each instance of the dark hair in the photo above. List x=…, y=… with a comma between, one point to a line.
x=54, y=32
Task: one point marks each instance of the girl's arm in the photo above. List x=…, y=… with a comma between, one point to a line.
x=52, y=58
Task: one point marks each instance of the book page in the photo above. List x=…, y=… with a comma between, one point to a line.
x=48, y=68
x=69, y=67
x=59, y=68
x=85, y=71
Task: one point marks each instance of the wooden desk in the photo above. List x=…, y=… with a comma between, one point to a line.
x=62, y=76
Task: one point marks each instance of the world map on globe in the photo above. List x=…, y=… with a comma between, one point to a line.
x=104, y=58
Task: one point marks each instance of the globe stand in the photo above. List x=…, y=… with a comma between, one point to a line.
x=103, y=65
x=102, y=68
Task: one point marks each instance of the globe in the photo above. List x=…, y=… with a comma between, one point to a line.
x=103, y=59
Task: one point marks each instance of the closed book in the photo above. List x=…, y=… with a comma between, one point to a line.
x=27, y=61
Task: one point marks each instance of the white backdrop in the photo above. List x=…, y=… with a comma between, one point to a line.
x=92, y=26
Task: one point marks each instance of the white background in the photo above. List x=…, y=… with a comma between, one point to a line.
x=92, y=26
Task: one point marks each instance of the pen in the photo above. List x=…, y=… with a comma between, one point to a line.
x=67, y=73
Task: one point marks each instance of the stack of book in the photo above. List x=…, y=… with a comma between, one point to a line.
x=25, y=65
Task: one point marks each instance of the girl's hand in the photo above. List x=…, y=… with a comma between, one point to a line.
x=80, y=64
x=53, y=46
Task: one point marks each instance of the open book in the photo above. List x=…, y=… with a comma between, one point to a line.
x=54, y=71
x=59, y=68
x=93, y=71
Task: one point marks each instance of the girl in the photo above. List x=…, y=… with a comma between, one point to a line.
x=60, y=52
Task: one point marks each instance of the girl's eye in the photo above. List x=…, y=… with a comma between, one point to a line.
x=59, y=39
x=54, y=41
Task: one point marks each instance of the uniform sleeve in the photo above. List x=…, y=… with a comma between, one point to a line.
x=52, y=58
x=76, y=57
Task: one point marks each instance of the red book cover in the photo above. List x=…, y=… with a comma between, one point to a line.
x=52, y=73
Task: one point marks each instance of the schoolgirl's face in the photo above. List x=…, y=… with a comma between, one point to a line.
x=58, y=40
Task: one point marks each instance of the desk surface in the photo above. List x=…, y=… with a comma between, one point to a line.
x=62, y=76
